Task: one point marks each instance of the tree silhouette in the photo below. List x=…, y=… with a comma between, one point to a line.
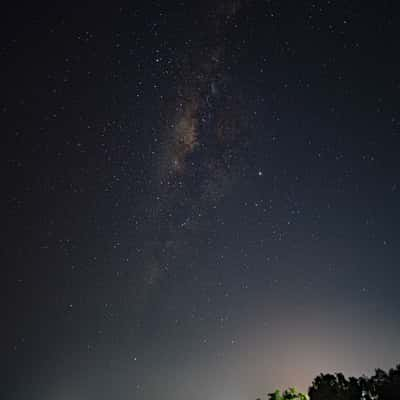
x=289, y=394
x=380, y=386
x=386, y=386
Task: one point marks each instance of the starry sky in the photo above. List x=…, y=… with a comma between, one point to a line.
x=201, y=198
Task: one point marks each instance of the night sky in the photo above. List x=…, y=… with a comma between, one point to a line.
x=202, y=199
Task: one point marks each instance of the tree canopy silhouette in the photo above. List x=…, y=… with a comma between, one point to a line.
x=289, y=394
x=380, y=386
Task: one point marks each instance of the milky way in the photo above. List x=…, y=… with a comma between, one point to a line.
x=203, y=132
